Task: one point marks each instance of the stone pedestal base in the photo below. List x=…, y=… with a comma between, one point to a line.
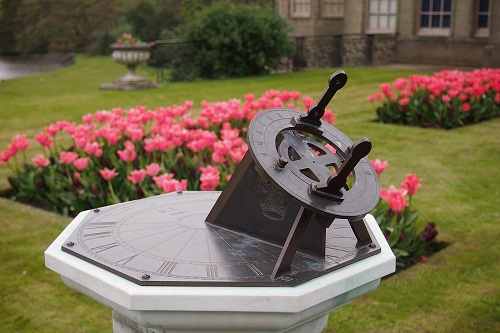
x=129, y=81
x=128, y=85
x=122, y=324
x=223, y=309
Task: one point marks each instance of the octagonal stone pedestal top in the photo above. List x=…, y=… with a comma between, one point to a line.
x=158, y=309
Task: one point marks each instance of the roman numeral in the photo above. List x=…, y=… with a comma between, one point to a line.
x=255, y=270
x=96, y=235
x=166, y=268
x=104, y=247
x=100, y=225
x=212, y=271
x=124, y=261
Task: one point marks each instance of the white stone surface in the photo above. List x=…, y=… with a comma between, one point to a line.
x=302, y=308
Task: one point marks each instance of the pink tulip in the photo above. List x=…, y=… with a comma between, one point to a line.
x=80, y=141
x=466, y=107
x=93, y=148
x=153, y=169
x=446, y=98
x=67, y=157
x=386, y=90
x=222, y=147
x=128, y=154
x=52, y=129
x=379, y=165
x=112, y=137
x=102, y=116
x=108, y=174
x=404, y=101
x=209, y=178
x=228, y=133
x=20, y=142
x=157, y=142
x=44, y=140
x=308, y=102
x=137, y=176
x=40, y=161
x=71, y=127
x=168, y=184
x=400, y=83
x=6, y=155
x=81, y=163
x=237, y=153
x=329, y=116
x=395, y=198
x=12, y=148
x=88, y=118
x=129, y=145
x=411, y=183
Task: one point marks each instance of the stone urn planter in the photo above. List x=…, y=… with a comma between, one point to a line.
x=130, y=56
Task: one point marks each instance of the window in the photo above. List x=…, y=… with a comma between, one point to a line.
x=483, y=18
x=435, y=17
x=300, y=8
x=332, y=8
x=382, y=16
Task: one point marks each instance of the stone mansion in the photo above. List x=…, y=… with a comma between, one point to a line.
x=360, y=32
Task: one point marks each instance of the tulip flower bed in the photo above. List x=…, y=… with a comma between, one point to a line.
x=447, y=99
x=121, y=155
x=398, y=222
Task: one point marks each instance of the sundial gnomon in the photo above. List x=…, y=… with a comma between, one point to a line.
x=286, y=216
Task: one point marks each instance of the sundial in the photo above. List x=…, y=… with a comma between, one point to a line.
x=293, y=211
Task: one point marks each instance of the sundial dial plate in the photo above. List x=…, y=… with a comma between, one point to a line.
x=164, y=240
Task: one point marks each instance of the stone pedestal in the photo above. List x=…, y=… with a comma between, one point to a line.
x=130, y=56
x=183, y=309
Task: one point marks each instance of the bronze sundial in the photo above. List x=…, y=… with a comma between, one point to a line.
x=288, y=214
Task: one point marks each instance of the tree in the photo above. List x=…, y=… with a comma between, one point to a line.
x=190, y=8
x=8, y=12
x=61, y=25
x=148, y=19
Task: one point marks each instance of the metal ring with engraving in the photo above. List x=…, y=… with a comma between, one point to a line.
x=292, y=155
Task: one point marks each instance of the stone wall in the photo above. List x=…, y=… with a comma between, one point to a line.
x=334, y=51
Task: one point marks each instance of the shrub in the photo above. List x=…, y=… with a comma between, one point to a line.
x=232, y=41
x=447, y=99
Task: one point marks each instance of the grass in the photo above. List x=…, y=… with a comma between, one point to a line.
x=456, y=290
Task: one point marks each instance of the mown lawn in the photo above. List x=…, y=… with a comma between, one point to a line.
x=456, y=290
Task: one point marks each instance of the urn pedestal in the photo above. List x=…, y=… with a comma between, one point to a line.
x=130, y=56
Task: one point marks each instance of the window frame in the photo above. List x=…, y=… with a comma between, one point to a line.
x=388, y=14
x=295, y=14
x=430, y=31
x=482, y=32
x=336, y=4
